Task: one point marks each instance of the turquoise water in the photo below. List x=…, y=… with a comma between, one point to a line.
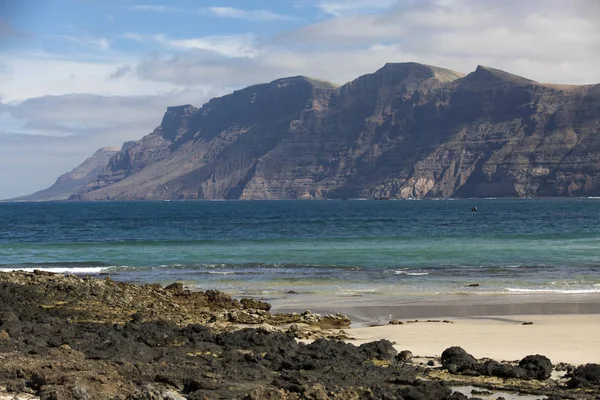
x=327, y=247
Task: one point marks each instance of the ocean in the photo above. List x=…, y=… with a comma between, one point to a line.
x=341, y=249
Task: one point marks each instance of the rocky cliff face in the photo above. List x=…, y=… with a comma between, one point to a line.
x=405, y=131
x=78, y=178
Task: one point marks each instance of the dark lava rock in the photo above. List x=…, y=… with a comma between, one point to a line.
x=219, y=300
x=587, y=375
x=68, y=338
x=494, y=368
x=536, y=367
x=267, y=393
x=425, y=391
x=481, y=392
x=175, y=287
x=456, y=359
x=405, y=356
x=380, y=350
x=252, y=304
x=39, y=272
x=457, y=396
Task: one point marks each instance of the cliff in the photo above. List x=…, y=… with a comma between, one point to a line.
x=79, y=177
x=406, y=131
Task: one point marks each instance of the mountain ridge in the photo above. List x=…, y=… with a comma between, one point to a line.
x=407, y=130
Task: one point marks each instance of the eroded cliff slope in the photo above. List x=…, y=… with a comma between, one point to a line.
x=72, y=181
x=405, y=131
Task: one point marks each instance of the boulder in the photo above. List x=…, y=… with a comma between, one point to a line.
x=536, y=367
x=176, y=287
x=456, y=359
x=421, y=390
x=494, y=368
x=405, y=356
x=585, y=376
x=380, y=350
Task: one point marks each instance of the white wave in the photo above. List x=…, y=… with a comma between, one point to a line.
x=486, y=266
x=61, y=270
x=212, y=265
x=561, y=291
x=221, y=272
x=400, y=272
x=352, y=292
x=571, y=283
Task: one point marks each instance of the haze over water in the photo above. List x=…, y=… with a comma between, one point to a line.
x=340, y=248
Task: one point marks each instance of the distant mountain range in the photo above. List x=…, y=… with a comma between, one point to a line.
x=73, y=181
x=405, y=131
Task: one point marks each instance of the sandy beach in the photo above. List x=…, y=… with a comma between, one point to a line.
x=573, y=339
x=565, y=328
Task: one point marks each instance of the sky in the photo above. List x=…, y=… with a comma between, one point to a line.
x=77, y=75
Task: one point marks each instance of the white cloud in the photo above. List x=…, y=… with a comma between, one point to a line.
x=42, y=138
x=540, y=39
x=85, y=114
x=251, y=15
x=154, y=8
x=339, y=66
x=235, y=46
x=137, y=37
x=91, y=43
x=29, y=76
x=121, y=72
x=339, y=8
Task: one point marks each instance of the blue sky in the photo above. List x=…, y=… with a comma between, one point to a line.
x=76, y=75
x=71, y=26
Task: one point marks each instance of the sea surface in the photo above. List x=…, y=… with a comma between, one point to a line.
x=278, y=249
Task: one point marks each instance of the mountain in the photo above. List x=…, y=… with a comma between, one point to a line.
x=405, y=131
x=69, y=183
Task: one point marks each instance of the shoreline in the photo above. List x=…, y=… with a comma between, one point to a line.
x=564, y=328
x=571, y=339
x=111, y=338
x=380, y=310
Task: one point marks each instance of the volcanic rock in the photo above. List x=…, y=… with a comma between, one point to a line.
x=585, y=376
x=536, y=367
x=456, y=359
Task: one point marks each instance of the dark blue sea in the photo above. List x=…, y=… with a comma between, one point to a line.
x=338, y=248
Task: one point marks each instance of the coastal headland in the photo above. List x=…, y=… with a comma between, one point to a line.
x=69, y=337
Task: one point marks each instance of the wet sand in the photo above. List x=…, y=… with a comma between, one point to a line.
x=371, y=310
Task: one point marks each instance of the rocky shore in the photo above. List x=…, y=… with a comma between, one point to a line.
x=69, y=337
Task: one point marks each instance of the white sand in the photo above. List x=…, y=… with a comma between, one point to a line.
x=573, y=339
